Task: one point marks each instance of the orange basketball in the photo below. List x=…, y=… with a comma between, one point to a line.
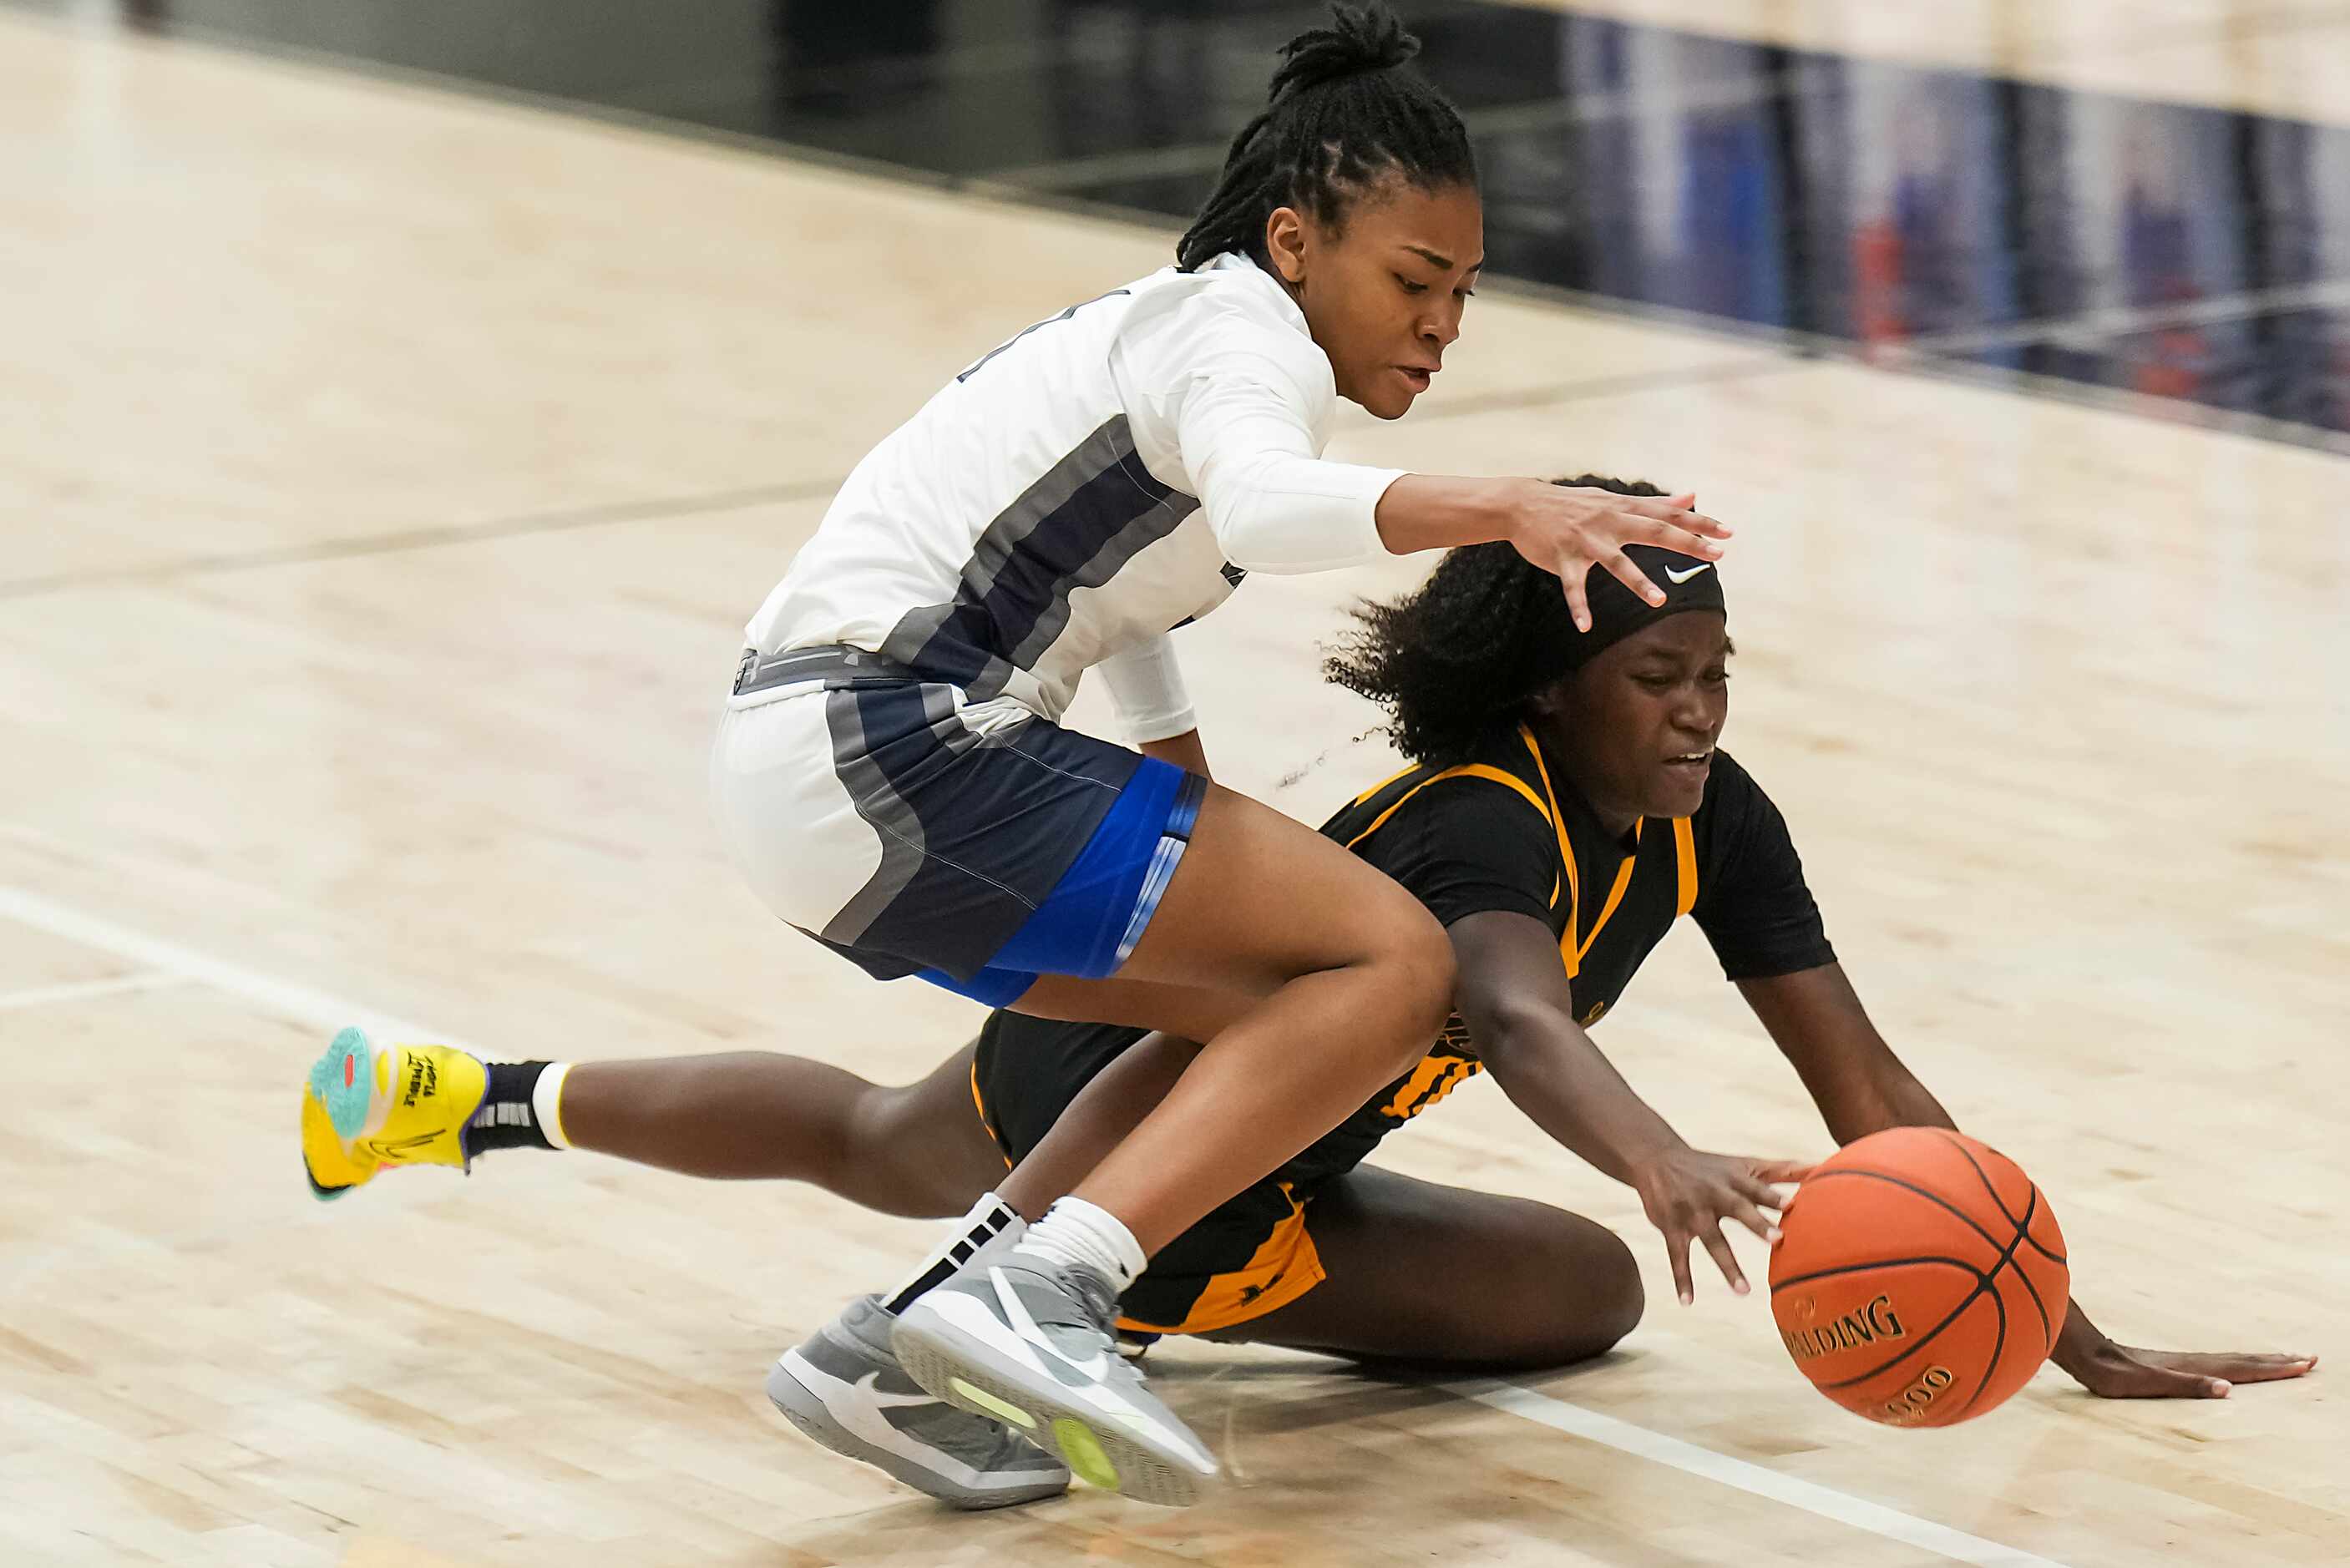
x=1918, y=1278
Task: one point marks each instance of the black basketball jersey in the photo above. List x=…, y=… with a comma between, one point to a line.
x=1504, y=831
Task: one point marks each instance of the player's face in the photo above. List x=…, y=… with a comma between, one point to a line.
x=1383, y=293
x=1638, y=724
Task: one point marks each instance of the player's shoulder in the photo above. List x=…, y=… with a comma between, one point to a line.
x=1736, y=810
x=1507, y=759
x=1231, y=304
x=1496, y=785
x=1727, y=785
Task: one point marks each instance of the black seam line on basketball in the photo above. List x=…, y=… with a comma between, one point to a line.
x=1980, y=1175
x=429, y=538
x=2033, y=1242
x=1873, y=1263
x=1923, y=1340
x=2024, y=1230
x=1997, y=1343
x=1934, y=1199
x=1985, y=1284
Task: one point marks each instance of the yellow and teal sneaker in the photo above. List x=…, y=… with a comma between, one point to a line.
x=366, y=1106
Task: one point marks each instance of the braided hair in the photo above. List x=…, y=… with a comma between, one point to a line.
x=1342, y=114
x=1456, y=661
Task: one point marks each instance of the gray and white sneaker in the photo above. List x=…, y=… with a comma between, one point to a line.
x=1028, y=1342
x=844, y=1388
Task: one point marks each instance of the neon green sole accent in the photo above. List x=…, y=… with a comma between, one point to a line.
x=989, y=1402
x=1083, y=1454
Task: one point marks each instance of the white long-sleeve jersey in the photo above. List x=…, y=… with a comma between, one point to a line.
x=1103, y=477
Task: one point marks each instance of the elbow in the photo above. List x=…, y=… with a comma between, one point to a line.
x=1252, y=541
x=1505, y=1031
x=1272, y=518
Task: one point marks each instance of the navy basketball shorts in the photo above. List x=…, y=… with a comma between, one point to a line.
x=975, y=846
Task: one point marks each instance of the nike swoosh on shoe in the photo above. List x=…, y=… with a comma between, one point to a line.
x=1093, y=1369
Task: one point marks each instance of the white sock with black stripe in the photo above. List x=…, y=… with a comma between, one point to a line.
x=1075, y=1233
x=989, y=1218
x=520, y=1107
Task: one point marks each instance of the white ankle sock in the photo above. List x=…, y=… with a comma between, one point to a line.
x=1074, y=1232
x=989, y=1218
x=547, y=1103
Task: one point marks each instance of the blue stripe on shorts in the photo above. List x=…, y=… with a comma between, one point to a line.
x=1089, y=925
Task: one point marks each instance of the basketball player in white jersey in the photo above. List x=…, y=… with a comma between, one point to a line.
x=892, y=778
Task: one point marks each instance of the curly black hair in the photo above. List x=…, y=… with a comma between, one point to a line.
x=1343, y=111
x=1455, y=661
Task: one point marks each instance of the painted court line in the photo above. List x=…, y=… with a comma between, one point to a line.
x=303, y=1004
x=286, y=998
x=1875, y=1517
x=84, y=990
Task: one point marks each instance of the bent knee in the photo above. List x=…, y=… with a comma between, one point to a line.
x=1416, y=972
x=1607, y=1303
x=1621, y=1299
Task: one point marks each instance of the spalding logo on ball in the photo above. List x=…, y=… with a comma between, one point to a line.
x=1918, y=1278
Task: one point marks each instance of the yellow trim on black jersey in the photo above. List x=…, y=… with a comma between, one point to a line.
x=1383, y=783
x=1574, y=945
x=979, y=1104
x=1466, y=770
x=1573, y=949
x=1284, y=1266
x=1432, y=1079
x=1557, y=823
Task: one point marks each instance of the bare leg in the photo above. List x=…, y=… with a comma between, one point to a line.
x=1321, y=979
x=1440, y=1276
x=1103, y=1112
x=917, y=1149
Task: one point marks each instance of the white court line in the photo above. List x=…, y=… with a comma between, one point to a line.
x=1690, y=1460
x=287, y=999
x=305, y=1005
x=83, y=989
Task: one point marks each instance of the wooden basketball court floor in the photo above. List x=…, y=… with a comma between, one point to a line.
x=385, y=476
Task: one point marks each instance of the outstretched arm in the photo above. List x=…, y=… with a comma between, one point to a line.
x=1861, y=1087
x=1518, y=1003
x=1565, y=530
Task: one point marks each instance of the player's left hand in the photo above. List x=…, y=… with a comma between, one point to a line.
x=2111, y=1371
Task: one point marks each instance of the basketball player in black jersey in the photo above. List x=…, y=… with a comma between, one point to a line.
x=1568, y=804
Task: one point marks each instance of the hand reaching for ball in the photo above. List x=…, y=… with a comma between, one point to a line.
x=1689, y=1194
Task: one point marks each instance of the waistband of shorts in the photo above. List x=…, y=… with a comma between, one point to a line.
x=834, y=665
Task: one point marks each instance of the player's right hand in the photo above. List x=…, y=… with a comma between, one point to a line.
x=1566, y=530
x=1688, y=1193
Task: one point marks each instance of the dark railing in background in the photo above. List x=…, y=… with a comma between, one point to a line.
x=1933, y=216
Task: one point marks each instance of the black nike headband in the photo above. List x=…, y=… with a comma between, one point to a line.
x=1617, y=612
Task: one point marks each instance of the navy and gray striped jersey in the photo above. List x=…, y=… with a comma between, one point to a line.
x=1104, y=476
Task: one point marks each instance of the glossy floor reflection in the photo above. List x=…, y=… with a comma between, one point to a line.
x=2181, y=252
